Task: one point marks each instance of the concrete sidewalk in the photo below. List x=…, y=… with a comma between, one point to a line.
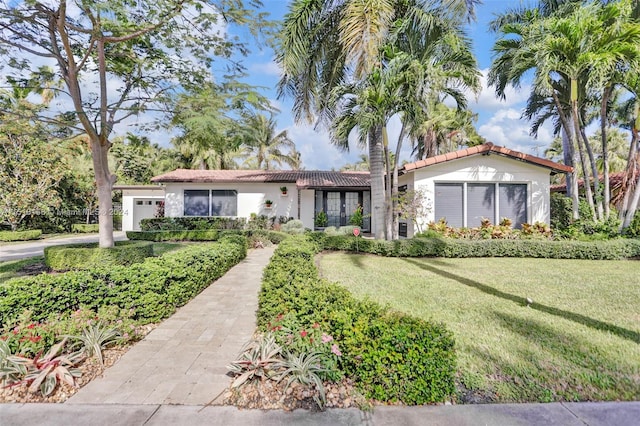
x=23, y=250
x=561, y=414
x=184, y=360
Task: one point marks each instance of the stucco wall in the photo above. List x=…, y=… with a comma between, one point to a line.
x=251, y=198
x=307, y=205
x=485, y=168
x=129, y=197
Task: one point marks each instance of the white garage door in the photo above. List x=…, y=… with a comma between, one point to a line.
x=143, y=208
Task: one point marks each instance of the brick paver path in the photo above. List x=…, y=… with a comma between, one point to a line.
x=183, y=360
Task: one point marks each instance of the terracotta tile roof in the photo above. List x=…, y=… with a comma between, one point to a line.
x=486, y=149
x=615, y=183
x=302, y=178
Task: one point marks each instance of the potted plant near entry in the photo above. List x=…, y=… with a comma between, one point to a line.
x=321, y=220
x=283, y=190
x=268, y=203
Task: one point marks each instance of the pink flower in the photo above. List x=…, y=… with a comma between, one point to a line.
x=326, y=338
x=303, y=333
x=125, y=335
x=315, y=325
x=336, y=350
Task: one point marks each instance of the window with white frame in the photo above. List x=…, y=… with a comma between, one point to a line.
x=214, y=202
x=465, y=204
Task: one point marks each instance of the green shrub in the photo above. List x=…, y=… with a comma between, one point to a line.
x=449, y=247
x=191, y=223
x=633, y=230
x=150, y=290
x=186, y=235
x=84, y=227
x=294, y=226
x=86, y=256
x=20, y=235
x=390, y=356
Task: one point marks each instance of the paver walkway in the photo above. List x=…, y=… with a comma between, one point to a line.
x=183, y=361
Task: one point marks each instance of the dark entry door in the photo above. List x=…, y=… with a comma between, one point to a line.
x=341, y=205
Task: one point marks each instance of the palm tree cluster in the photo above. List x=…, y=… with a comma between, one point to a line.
x=230, y=126
x=585, y=61
x=352, y=65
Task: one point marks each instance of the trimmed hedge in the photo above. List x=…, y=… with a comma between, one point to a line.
x=191, y=223
x=206, y=235
x=85, y=227
x=20, y=235
x=191, y=235
x=86, y=256
x=390, y=356
x=445, y=247
x=152, y=289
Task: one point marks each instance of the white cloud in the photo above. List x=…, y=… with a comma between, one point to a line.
x=506, y=128
x=317, y=151
x=487, y=100
x=270, y=68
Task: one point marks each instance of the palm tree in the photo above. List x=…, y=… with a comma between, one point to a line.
x=267, y=149
x=327, y=44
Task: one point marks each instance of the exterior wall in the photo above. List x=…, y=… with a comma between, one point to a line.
x=251, y=198
x=129, y=198
x=307, y=207
x=484, y=168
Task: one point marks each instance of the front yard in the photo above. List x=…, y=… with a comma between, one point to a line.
x=579, y=339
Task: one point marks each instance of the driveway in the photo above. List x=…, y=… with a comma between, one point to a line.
x=23, y=250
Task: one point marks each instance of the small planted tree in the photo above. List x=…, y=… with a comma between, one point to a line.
x=413, y=205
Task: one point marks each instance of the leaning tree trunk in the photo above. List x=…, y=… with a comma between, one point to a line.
x=597, y=193
x=104, y=184
x=376, y=165
x=583, y=161
x=630, y=203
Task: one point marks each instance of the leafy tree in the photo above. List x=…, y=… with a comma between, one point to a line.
x=142, y=49
x=30, y=170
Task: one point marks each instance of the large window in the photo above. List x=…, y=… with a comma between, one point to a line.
x=466, y=204
x=215, y=202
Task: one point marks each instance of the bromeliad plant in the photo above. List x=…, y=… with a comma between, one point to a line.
x=45, y=372
x=259, y=359
x=94, y=338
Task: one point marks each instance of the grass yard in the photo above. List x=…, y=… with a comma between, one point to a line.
x=579, y=340
x=15, y=268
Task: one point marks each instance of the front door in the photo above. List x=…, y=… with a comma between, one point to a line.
x=340, y=206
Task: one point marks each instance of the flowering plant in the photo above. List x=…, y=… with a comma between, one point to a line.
x=29, y=338
x=297, y=339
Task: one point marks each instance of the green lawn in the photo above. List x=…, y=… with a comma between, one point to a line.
x=579, y=340
x=13, y=268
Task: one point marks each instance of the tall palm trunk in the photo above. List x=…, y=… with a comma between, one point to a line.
x=388, y=200
x=394, y=192
x=597, y=192
x=630, y=185
x=605, y=150
x=569, y=157
x=583, y=161
x=376, y=165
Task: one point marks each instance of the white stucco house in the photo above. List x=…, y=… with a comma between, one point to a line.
x=485, y=181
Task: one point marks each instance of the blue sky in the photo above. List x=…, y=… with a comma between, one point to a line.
x=498, y=121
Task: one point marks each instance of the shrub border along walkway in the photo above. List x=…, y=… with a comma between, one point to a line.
x=390, y=356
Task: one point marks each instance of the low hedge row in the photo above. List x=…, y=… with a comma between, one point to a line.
x=20, y=235
x=390, y=356
x=191, y=223
x=85, y=228
x=445, y=247
x=151, y=290
x=206, y=235
x=87, y=256
x=191, y=235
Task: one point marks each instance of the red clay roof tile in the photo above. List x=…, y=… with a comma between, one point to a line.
x=487, y=148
